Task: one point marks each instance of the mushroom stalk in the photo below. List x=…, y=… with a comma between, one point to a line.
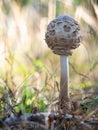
x=64, y=95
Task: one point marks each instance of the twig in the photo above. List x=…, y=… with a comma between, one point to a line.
x=83, y=75
x=93, y=66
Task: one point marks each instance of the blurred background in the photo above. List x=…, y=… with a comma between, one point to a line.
x=29, y=71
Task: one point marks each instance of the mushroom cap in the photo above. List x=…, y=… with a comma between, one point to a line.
x=63, y=35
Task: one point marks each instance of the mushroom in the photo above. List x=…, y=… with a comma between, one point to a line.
x=62, y=36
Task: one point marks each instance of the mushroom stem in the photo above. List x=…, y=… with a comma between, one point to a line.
x=64, y=94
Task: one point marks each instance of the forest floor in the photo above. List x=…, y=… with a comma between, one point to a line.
x=83, y=117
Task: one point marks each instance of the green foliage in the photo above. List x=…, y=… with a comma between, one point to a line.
x=60, y=9
x=23, y=2
x=5, y=7
x=77, y=2
x=90, y=104
x=30, y=99
x=39, y=64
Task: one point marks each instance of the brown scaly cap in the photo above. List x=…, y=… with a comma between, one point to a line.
x=63, y=35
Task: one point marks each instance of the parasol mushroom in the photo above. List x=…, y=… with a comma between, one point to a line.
x=62, y=36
